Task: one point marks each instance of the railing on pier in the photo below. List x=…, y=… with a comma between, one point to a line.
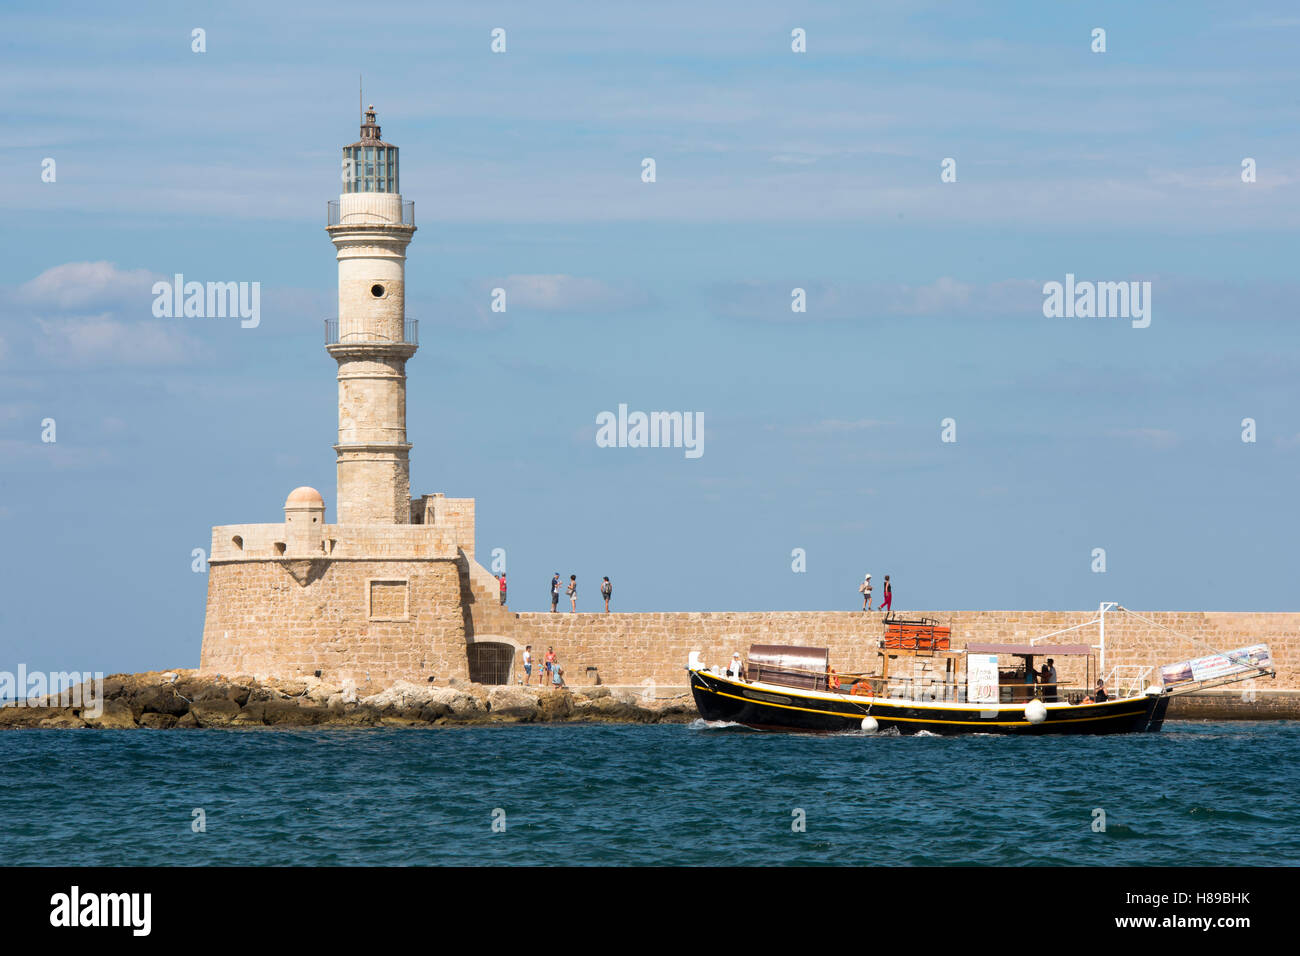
x=410, y=335
x=333, y=214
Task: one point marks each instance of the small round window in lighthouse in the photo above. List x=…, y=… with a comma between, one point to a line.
x=377, y=291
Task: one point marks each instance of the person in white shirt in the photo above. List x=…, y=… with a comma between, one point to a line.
x=865, y=588
x=735, y=668
x=1048, y=679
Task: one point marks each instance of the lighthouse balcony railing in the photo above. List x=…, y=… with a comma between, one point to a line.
x=334, y=215
x=410, y=335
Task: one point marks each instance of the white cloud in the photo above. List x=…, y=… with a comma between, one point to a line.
x=103, y=340
x=13, y=411
x=833, y=301
x=831, y=426
x=566, y=293
x=94, y=285
x=1157, y=438
x=82, y=314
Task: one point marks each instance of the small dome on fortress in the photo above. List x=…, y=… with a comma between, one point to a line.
x=304, y=497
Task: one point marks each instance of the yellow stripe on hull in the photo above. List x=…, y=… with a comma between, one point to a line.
x=873, y=702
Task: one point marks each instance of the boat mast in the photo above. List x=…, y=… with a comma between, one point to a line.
x=1101, y=648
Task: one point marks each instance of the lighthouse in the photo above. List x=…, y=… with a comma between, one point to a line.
x=390, y=589
x=371, y=337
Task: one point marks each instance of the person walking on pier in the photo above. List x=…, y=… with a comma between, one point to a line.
x=865, y=589
x=555, y=592
x=606, y=591
x=887, y=599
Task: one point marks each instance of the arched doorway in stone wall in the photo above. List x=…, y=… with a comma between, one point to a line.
x=491, y=659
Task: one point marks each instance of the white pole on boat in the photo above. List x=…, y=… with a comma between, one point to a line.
x=1101, y=648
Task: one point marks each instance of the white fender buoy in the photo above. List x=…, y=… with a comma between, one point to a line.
x=1036, y=712
x=869, y=724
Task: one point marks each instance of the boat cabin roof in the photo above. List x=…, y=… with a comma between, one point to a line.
x=1034, y=650
x=815, y=659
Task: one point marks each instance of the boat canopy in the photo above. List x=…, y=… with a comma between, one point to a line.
x=803, y=667
x=1035, y=650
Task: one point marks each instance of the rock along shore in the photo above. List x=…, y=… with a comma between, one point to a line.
x=164, y=700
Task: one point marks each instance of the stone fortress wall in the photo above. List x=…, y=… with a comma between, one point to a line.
x=371, y=603
x=381, y=603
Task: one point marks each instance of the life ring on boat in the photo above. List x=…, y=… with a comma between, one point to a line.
x=862, y=688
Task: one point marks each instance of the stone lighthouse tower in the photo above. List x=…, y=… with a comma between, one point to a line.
x=390, y=590
x=371, y=338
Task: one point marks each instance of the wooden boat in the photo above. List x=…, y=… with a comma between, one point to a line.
x=924, y=685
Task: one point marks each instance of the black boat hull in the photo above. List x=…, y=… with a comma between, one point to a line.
x=771, y=707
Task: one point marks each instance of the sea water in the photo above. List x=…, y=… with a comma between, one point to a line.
x=597, y=794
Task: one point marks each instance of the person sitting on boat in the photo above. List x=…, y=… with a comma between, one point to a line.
x=1100, y=695
x=833, y=681
x=735, y=668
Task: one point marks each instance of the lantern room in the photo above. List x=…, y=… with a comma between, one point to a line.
x=370, y=164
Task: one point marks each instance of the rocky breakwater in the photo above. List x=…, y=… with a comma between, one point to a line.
x=165, y=700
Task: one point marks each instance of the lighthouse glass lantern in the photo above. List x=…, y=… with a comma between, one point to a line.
x=372, y=162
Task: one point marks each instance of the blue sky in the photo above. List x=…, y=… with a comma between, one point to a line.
x=775, y=170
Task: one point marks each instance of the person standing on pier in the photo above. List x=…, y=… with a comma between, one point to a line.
x=503, y=588
x=865, y=590
x=573, y=593
x=606, y=591
x=555, y=592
